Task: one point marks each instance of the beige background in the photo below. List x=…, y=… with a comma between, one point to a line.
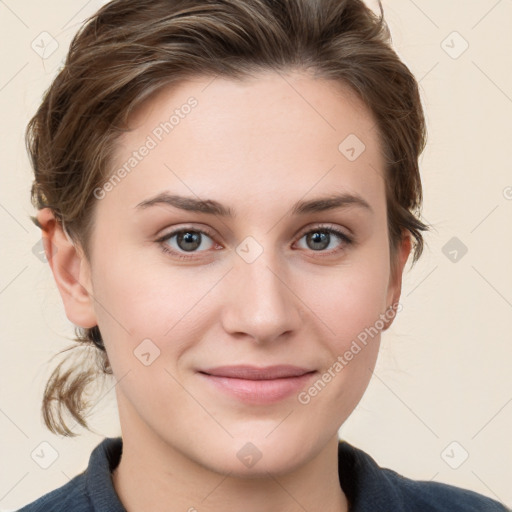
x=443, y=374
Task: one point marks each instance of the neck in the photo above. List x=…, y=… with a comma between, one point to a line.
x=155, y=476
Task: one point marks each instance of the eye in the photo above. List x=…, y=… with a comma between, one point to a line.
x=186, y=240
x=192, y=240
x=322, y=237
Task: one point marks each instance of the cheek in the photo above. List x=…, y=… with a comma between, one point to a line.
x=349, y=303
x=137, y=302
x=349, y=300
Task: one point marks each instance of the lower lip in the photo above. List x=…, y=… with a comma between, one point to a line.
x=259, y=391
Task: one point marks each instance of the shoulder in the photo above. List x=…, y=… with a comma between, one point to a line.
x=71, y=496
x=370, y=487
x=90, y=491
x=431, y=496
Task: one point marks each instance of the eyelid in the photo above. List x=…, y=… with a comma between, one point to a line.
x=327, y=227
x=209, y=232
x=173, y=231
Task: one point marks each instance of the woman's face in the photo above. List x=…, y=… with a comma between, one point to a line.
x=258, y=280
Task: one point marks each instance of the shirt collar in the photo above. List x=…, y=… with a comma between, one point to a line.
x=366, y=485
x=100, y=488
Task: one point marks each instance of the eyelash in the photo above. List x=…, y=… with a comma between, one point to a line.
x=322, y=228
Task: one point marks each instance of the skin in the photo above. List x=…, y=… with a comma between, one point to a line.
x=257, y=147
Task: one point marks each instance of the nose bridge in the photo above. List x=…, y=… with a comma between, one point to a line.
x=260, y=302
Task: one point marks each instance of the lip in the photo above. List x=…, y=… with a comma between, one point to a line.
x=258, y=385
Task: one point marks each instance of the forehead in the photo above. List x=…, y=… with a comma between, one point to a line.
x=264, y=138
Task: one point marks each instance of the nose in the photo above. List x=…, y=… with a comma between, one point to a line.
x=260, y=304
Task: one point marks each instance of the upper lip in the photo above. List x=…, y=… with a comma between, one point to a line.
x=250, y=372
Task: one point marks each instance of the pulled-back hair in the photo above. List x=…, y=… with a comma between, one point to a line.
x=130, y=49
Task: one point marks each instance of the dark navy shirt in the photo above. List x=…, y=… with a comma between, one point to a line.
x=367, y=486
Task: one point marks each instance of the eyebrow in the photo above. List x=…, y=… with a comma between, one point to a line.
x=210, y=206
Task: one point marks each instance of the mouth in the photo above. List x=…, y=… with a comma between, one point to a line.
x=258, y=385
x=249, y=372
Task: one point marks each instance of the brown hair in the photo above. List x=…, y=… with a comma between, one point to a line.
x=131, y=48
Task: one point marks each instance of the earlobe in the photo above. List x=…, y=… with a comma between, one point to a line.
x=70, y=270
x=395, y=282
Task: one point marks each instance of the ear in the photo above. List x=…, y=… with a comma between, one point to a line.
x=395, y=278
x=70, y=270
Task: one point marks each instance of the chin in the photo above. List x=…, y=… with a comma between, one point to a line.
x=254, y=456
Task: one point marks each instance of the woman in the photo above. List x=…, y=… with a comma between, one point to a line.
x=228, y=192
